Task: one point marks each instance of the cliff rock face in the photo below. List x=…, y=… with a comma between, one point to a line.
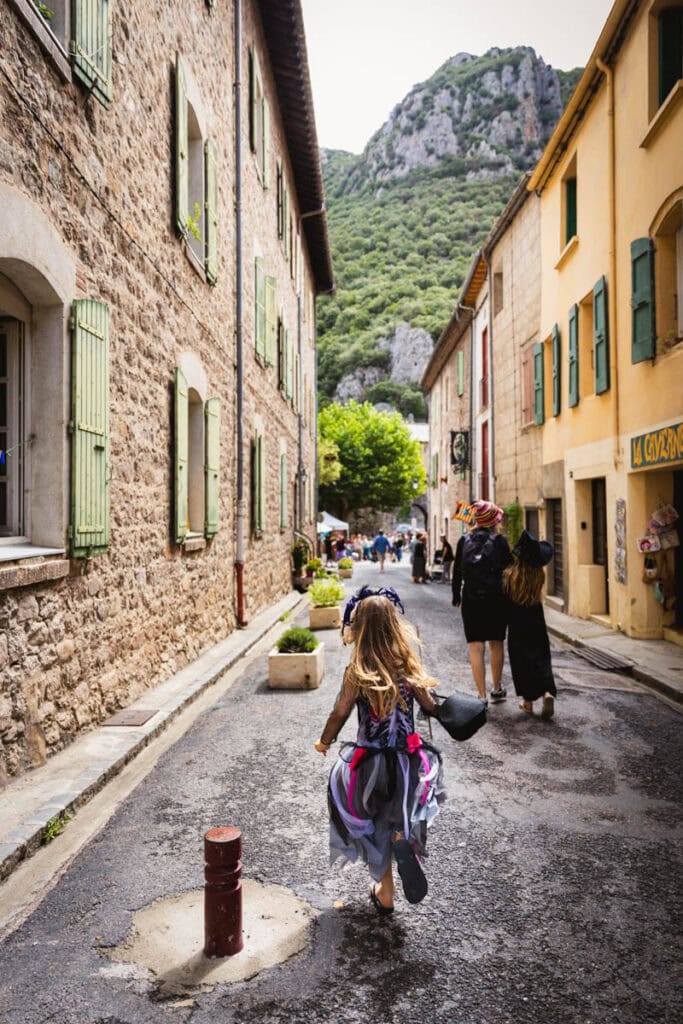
x=409, y=350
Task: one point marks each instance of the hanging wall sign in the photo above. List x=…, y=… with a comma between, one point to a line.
x=460, y=449
x=657, y=447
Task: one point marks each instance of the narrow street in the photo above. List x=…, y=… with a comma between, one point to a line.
x=554, y=879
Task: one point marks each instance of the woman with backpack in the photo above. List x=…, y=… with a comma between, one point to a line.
x=480, y=558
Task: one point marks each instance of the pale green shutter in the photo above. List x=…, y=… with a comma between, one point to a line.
x=211, y=204
x=601, y=337
x=182, y=444
x=574, y=356
x=212, y=410
x=91, y=46
x=289, y=366
x=266, y=144
x=182, y=146
x=281, y=356
x=643, y=300
x=89, y=530
x=259, y=309
x=557, y=371
x=283, y=491
x=271, y=322
x=461, y=373
x=539, y=386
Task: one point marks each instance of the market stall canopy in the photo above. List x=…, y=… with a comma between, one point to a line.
x=329, y=522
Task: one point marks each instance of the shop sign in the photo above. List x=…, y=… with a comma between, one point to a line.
x=657, y=447
x=460, y=449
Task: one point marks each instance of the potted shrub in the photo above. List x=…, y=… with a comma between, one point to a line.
x=313, y=565
x=297, y=661
x=325, y=595
x=345, y=568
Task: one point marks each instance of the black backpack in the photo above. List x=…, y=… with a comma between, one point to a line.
x=481, y=564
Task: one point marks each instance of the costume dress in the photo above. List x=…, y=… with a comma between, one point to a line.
x=389, y=780
x=529, y=651
x=419, y=561
x=483, y=610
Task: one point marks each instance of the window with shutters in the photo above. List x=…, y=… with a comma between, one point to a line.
x=665, y=280
x=284, y=488
x=497, y=292
x=196, y=454
x=527, y=357
x=12, y=427
x=569, y=227
x=91, y=46
x=556, y=353
x=586, y=354
x=281, y=355
x=573, y=360
x=539, y=385
x=49, y=22
x=260, y=321
x=601, y=356
x=258, y=479
x=196, y=178
x=666, y=51
x=461, y=372
x=259, y=120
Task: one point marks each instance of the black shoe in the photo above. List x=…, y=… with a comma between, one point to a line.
x=412, y=875
x=497, y=695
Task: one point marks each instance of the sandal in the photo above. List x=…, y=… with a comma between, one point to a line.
x=548, y=709
x=379, y=907
x=526, y=706
x=412, y=875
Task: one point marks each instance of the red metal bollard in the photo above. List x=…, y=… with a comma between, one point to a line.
x=222, y=892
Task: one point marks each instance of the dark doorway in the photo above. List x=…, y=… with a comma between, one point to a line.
x=484, y=477
x=599, y=496
x=678, y=552
x=555, y=534
x=531, y=521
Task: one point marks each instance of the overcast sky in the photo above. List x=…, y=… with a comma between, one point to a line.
x=365, y=55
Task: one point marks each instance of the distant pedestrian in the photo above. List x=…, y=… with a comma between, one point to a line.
x=447, y=558
x=385, y=789
x=328, y=547
x=528, y=644
x=340, y=547
x=420, y=559
x=380, y=546
x=480, y=558
x=398, y=547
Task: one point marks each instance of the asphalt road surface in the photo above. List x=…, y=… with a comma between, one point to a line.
x=553, y=870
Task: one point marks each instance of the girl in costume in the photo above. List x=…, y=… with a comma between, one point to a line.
x=528, y=644
x=385, y=789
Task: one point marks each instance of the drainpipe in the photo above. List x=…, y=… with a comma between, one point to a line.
x=239, y=412
x=471, y=310
x=301, y=469
x=612, y=292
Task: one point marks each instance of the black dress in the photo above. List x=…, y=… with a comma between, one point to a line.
x=529, y=651
x=484, y=616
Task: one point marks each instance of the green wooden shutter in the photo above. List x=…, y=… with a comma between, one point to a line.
x=570, y=208
x=670, y=50
x=280, y=199
x=574, y=356
x=211, y=206
x=89, y=529
x=461, y=373
x=601, y=337
x=643, y=333
x=289, y=366
x=211, y=5
x=260, y=484
x=259, y=309
x=281, y=356
x=283, y=491
x=91, y=46
x=182, y=147
x=182, y=445
x=271, y=322
x=557, y=371
x=253, y=118
x=266, y=143
x=539, y=386
x=212, y=412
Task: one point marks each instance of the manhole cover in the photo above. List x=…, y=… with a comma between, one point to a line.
x=130, y=717
x=601, y=659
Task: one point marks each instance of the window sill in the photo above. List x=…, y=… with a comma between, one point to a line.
x=32, y=569
x=567, y=251
x=194, y=260
x=664, y=114
x=51, y=46
x=193, y=542
x=17, y=551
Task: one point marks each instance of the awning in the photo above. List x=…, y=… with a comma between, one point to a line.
x=329, y=522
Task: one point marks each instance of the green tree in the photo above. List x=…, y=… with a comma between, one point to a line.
x=329, y=466
x=381, y=464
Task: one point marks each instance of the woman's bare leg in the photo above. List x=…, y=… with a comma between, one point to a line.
x=478, y=667
x=385, y=890
x=497, y=655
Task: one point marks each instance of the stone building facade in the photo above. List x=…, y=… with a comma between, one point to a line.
x=120, y=311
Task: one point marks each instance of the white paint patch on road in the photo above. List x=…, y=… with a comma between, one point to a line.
x=167, y=937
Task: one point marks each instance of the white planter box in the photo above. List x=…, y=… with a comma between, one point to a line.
x=346, y=574
x=296, y=671
x=325, y=618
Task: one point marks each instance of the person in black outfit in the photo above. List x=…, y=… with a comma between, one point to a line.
x=528, y=644
x=446, y=559
x=480, y=558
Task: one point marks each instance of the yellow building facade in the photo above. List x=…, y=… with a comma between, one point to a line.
x=608, y=367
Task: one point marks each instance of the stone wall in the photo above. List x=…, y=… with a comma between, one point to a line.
x=76, y=648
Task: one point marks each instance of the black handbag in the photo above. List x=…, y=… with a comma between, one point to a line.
x=461, y=714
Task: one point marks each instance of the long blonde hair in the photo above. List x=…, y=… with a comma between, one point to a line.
x=523, y=583
x=383, y=654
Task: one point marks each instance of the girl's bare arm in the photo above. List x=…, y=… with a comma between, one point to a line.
x=340, y=713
